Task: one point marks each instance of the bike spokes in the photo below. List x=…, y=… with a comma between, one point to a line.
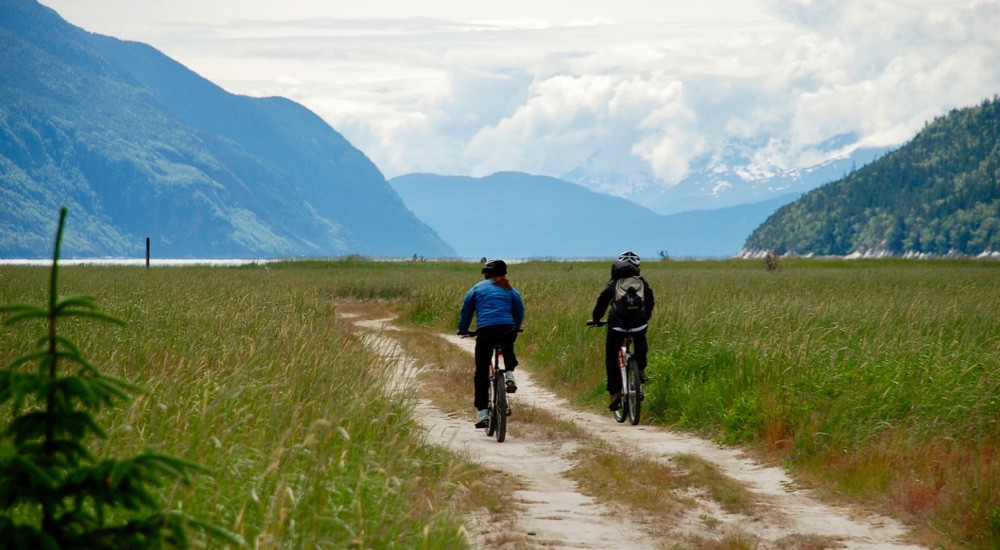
x=634, y=392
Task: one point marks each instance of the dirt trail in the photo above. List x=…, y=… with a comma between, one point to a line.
x=559, y=516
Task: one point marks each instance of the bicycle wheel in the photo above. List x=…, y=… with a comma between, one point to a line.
x=634, y=395
x=500, y=408
x=491, y=424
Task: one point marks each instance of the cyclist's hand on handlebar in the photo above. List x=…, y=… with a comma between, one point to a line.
x=593, y=323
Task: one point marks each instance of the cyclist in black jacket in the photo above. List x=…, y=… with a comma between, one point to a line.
x=618, y=328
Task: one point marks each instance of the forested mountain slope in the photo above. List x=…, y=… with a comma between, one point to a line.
x=137, y=145
x=938, y=194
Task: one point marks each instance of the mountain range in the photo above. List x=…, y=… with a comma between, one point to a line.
x=137, y=146
x=731, y=179
x=938, y=194
x=517, y=215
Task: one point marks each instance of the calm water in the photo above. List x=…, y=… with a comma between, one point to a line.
x=137, y=262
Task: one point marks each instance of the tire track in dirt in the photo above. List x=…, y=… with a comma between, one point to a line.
x=560, y=516
x=557, y=515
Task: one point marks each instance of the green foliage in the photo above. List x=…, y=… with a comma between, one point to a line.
x=139, y=146
x=53, y=492
x=876, y=378
x=253, y=373
x=939, y=194
x=993, y=517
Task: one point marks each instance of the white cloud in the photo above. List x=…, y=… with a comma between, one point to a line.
x=552, y=131
x=645, y=85
x=896, y=67
x=568, y=121
x=668, y=97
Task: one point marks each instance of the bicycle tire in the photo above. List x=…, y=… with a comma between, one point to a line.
x=634, y=396
x=491, y=424
x=500, y=408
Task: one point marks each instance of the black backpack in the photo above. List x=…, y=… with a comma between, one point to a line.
x=628, y=303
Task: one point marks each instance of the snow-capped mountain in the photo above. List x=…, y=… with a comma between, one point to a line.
x=740, y=174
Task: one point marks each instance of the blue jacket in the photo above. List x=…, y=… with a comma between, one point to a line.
x=492, y=305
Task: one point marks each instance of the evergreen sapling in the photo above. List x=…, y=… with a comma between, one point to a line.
x=54, y=494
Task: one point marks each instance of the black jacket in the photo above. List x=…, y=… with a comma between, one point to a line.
x=620, y=270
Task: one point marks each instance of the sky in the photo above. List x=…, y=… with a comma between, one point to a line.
x=657, y=87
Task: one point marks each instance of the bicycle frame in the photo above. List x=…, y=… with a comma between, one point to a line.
x=632, y=394
x=623, y=355
x=497, y=359
x=498, y=406
x=495, y=369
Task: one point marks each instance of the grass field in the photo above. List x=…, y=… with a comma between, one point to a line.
x=877, y=381
x=250, y=373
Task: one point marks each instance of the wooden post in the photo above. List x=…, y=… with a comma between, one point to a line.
x=147, y=252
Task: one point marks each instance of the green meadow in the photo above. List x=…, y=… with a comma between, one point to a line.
x=875, y=381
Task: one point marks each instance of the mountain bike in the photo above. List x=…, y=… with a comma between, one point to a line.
x=632, y=395
x=499, y=408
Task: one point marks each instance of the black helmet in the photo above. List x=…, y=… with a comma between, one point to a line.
x=495, y=268
x=630, y=257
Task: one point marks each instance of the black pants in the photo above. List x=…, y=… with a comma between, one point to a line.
x=486, y=338
x=612, y=343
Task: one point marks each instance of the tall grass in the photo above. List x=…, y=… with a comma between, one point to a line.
x=878, y=379
x=251, y=373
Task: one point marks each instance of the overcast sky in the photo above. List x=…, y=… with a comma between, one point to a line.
x=471, y=87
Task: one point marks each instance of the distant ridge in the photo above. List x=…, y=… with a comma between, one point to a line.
x=137, y=145
x=518, y=215
x=937, y=195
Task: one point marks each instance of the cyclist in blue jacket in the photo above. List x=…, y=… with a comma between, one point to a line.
x=499, y=313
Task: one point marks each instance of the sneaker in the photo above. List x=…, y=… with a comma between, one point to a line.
x=616, y=402
x=482, y=417
x=642, y=376
x=511, y=385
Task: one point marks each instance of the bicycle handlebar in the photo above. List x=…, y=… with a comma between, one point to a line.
x=596, y=324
